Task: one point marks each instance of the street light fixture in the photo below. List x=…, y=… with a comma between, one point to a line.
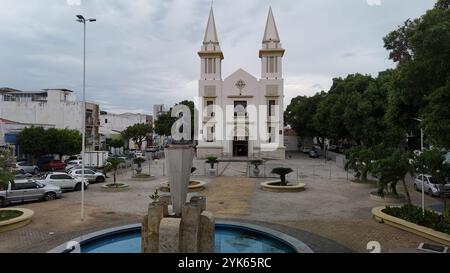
x=82, y=20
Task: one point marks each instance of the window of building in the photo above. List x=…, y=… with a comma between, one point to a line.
x=272, y=64
x=210, y=66
x=106, y=120
x=240, y=108
x=271, y=108
x=210, y=109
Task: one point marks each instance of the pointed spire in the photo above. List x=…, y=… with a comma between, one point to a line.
x=271, y=32
x=211, y=32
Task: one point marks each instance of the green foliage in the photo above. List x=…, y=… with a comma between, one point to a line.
x=138, y=161
x=362, y=160
x=282, y=172
x=116, y=143
x=37, y=141
x=155, y=196
x=164, y=123
x=6, y=164
x=212, y=160
x=112, y=165
x=391, y=169
x=193, y=169
x=138, y=133
x=414, y=215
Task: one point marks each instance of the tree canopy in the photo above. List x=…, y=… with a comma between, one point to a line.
x=137, y=133
x=37, y=141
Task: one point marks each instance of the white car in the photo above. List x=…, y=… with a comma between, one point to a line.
x=73, y=163
x=90, y=175
x=63, y=180
x=430, y=185
x=24, y=167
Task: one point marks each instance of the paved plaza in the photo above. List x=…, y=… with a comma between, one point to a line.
x=330, y=216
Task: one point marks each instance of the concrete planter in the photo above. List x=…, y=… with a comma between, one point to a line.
x=387, y=199
x=271, y=186
x=17, y=222
x=143, y=177
x=212, y=172
x=425, y=232
x=194, y=186
x=179, y=163
x=119, y=187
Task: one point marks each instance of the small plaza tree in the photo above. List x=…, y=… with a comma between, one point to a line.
x=282, y=172
x=112, y=165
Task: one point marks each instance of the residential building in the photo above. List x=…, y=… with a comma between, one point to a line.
x=254, y=126
x=158, y=110
x=54, y=107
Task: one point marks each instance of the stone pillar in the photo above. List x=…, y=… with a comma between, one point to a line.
x=150, y=228
x=169, y=235
x=179, y=163
x=190, y=221
x=165, y=200
x=206, y=233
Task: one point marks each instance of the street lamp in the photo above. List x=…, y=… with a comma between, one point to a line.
x=82, y=20
x=421, y=149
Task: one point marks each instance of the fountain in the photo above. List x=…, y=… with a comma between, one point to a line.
x=173, y=225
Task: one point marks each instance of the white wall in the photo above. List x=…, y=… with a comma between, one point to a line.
x=120, y=122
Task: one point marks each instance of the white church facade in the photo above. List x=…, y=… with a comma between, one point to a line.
x=242, y=115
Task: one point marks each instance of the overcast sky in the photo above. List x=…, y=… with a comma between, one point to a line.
x=144, y=52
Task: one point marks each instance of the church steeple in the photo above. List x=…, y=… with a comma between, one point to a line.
x=211, y=32
x=211, y=55
x=271, y=53
x=271, y=32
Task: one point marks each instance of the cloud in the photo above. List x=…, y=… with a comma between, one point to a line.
x=144, y=52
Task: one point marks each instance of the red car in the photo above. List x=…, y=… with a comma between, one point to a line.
x=54, y=165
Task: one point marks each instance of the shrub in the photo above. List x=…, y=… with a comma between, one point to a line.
x=414, y=215
x=282, y=172
x=212, y=160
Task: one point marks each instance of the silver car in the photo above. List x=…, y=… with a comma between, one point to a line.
x=90, y=175
x=24, y=167
x=28, y=190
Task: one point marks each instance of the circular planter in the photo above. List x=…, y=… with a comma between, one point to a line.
x=212, y=172
x=143, y=177
x=273, y=187
x=194, y=186
x=17, y=222
x=119, y=187
x=387, y=199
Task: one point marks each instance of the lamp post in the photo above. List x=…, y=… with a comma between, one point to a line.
x=421, y=149
x=82, y=20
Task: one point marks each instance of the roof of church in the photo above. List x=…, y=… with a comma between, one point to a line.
x=271, y=32
x=211, y=32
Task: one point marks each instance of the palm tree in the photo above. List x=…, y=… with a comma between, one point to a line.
x=112, y=165
x=282, y=172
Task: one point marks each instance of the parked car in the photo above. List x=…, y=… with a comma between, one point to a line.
x=90, y=175
x=430, y=185
x=53, y=165
x=24, y=167
x=138, y=154
x=63, y=180
x=73, y=164
x=313, y=154
x=28, y=190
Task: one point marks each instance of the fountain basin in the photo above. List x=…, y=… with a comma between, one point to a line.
x=230, y=237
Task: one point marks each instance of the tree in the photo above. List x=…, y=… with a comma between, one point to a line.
x=112, y=165
x=361, y=160
x=164, y=123
x=392, y=169
x=138, y=161
x=282, y=172
x=33, y=141
x=116, y=144
x=421, y=79
x=37, y=141
x=437, y=117
x=300, y=112
x=137, y=133
x=6, y=174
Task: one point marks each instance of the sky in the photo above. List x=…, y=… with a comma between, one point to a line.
x=144, y=52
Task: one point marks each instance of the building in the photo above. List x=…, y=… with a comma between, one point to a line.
x=241, y=115
x=158, y=110
x=55, y=107
x=10, y=129
x=112, y=125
